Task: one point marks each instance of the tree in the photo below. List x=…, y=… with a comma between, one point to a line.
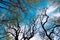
x=32, y=30
x=11, y=22
x=12, y=28
x=11, y=25
x=48, y=31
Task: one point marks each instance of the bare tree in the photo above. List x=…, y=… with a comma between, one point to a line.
x=28, y=34
x=12, y=24
x=12, y=27
x=42, y=16
x=15, y=8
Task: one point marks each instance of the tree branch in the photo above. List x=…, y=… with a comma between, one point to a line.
x=53, y=29
x=11, y=34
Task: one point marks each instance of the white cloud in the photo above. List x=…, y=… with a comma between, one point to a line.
x=57, y=15
x=44, y=20
x=51, y=9
x=36, y=37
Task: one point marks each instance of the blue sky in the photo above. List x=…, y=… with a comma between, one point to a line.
x=30, y=14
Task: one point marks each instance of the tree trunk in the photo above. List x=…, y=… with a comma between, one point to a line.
x=28, y=39
x=16, y=38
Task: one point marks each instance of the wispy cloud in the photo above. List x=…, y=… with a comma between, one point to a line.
x=56, y=15
x=51, y=9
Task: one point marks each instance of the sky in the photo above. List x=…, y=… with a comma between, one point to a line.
x=33, y=11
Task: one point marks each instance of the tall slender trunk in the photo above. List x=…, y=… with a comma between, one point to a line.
x=16, y=38
x=28, y=39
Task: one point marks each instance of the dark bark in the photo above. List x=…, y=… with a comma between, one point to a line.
x=16, y=37
x=46, y=32
x=49, y=37
x=42, y=24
